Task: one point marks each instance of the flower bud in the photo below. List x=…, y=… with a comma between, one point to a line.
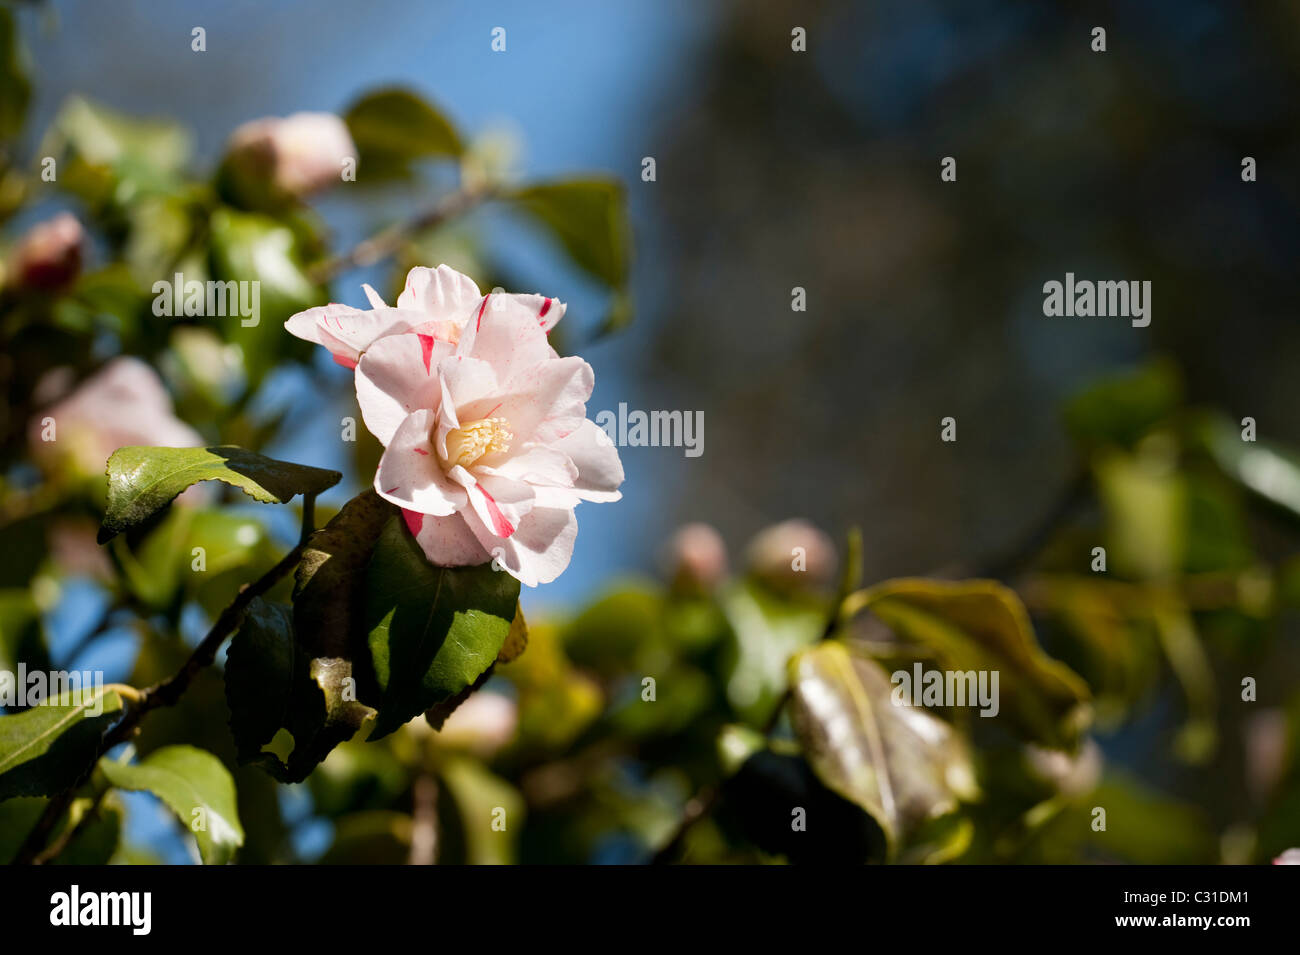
x=695, y=557
x=273, y=159
x=792, y=555
x=48, y=257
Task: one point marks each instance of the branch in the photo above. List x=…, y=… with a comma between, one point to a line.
x=170, y=690
x=387, y=241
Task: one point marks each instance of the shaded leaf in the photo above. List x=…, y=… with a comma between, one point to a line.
x=899, y=763
x=196, y=786
x=15, y=88
x=273, y=684
x=394, y=127
x=143, y=480
x=1121, y=409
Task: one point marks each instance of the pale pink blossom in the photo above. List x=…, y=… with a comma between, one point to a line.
x=124, y=403
x=1289, y=857
x=483, y=724
x=436, y=302
x=488, y=448
x=292, y=156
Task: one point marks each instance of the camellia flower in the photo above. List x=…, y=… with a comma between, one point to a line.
x=124, y=403
x=435, y=302
x=488, y=448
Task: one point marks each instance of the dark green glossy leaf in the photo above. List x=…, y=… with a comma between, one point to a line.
x=196, y=786
x=143, y=480
x=46, y=748
x=433, y=630
x=899, y=763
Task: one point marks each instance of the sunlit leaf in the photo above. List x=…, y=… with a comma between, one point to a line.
x=433, y=630
x=46, y=748
x=143, y=480
x=196, y=787
x=899, y=763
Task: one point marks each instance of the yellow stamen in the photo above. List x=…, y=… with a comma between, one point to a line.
x=471, y=441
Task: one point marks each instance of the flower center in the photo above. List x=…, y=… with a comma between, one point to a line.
x=471, y=441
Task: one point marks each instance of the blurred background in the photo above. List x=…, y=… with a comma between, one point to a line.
x=778, y=169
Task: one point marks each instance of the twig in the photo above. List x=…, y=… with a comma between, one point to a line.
x=387, y=241
x=170, y=690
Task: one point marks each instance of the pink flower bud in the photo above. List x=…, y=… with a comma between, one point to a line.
x=48, y=257
x=696, y=557
x=792, y=555
x=292, y=157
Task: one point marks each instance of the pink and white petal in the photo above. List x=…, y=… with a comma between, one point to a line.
x=600, y=472
x=537, y=465
x=373, y=297
x=506, y=334
x=360, y=330
x=540, y=548
x=547, y=311
x=394, y=378
x=441, y=293
x=409, y=474
x=556, y=388
x=499, y=502
x=446, y=541
x=447, y=418
x=470, y=384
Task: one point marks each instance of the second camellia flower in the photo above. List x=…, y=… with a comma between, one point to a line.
x=488, y=448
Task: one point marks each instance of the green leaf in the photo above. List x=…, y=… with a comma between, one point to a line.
x=433, y=631
x=143, y=480
x=588, y=217
x=15, y=88
x=110, y=157
x=46, y=748
x=479, y=797
x=196, y=786
x=1119, y=410
x=251, y=247
x=274, y=684
x=1270, y=471
x=22, y=638
x=767, y=630
x=394, y=127
x=899, y=763
x=981, y=625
